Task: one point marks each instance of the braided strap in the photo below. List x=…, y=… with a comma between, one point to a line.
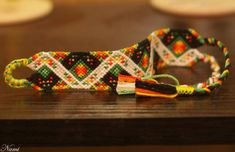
x=216, y=81
x=10, y=80
x=129, y=70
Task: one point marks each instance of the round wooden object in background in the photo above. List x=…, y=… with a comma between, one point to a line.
x=17, y=11
x=196, y=7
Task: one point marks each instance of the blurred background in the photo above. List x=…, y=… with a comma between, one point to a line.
x=30, y=26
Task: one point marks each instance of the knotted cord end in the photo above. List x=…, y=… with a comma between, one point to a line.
x=185, y=90
x=10, y=80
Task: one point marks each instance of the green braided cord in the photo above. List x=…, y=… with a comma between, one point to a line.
x=224, y=74
x=10, y=80
x=162, y=76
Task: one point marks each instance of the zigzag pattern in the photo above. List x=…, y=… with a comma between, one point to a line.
x=116, y=58
x=90, y=70
x=99, y=70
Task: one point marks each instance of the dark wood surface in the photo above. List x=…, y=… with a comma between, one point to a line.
x=103, y=118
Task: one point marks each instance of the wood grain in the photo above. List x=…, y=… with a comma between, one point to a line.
x=103, y=118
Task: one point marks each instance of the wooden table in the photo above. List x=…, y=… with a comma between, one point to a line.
x=103, y=118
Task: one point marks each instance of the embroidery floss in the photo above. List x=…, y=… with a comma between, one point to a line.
x=129, y=70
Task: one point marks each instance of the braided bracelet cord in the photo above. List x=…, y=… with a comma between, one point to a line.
x=148, y=86
x=9, y=79
x=223, y=75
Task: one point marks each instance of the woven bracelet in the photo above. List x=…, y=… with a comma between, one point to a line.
x=132, y=70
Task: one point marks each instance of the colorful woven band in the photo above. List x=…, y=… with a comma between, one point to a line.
x=129, y=70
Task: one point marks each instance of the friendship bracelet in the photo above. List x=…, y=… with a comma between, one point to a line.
x=132, y=70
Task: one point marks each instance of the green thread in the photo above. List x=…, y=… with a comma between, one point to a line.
x=162, y=76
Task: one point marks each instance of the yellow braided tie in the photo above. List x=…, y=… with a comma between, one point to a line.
x=10, y=80
x=185, y=90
